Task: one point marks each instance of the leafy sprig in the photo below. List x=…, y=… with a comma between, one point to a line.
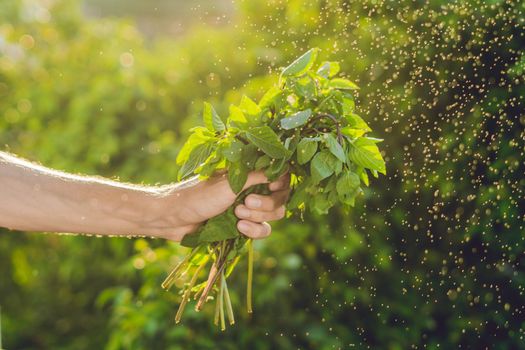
x=306, y=125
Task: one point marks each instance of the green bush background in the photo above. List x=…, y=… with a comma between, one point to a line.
x=432, y=257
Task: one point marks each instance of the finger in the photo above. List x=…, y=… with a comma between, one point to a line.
x=254, y=230
x=254, y=178
x=242, y=212
x=281, y=183
x=266, y=203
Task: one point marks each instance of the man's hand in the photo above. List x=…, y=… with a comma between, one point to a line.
x=35, y=198
x=198, y=201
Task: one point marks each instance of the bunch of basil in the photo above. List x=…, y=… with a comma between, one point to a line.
x=307, y=126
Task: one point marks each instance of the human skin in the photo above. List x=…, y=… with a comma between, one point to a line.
x=36, y=198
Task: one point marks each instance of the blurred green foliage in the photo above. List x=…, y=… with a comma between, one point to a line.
x=434, y=259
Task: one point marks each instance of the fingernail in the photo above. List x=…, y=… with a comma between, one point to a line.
x=241, y=211
x=253, y=202
x=243, y=226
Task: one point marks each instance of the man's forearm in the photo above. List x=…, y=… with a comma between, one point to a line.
x=35, y=198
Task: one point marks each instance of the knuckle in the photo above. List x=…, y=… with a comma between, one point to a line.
x=268, y=203
x=267, y=229
x=258, y=216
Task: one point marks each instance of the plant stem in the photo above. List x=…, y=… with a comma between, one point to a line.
x=250, y=277
x=168, y=282
x=221, y=303
x=211, y=276
x=336, y=123
x=215, y=272
x=217, y=308
x=229, y=308
x=187, y=293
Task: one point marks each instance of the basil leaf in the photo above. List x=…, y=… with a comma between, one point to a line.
x=190, y=240
x=268, y=141
x=220, y=227
x=237, y=117
x=262, y=162
x=306, y=150
x=296, y=119
x=321, y=166
x=328, y=69
x=237, y=175
x=335, y=147
x=356, y=122
x=304, y=87
x=364, y=152
x=299, y=195
x=348, y=188
x=321, y=203
x=250, y=153
x=197, y=156
x=198, y=137
x=347, y=104
x=302, y=64
x=344, y=84
x=347, y=183
x=232, y=151
x=211, y=119
x=270, y=97
x=276, y=169
x=248, y=106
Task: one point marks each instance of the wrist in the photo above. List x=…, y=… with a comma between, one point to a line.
x=163, y=213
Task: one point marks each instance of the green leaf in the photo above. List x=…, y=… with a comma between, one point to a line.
x=348, y=187
x=214, y=161
x=301, y=64
x=328, y=69
x=197, y=156
x=219, y=228
x=211, y=119
x=363, y=176
x=237, y=176
x=321, y=204
x=270, y=97
x=335, y=147
x=353, y=133
x=191, y=240
x=340, y=83
x=250, y=153
x=348, y=182
x=199, y=136
x=248, y=106
x=356, y=122
x=347, y=103
x=277, y=168
x=306, y=150
x=237, y=117
x=304, y=87
x=232, y=151
x=296, y=119
x=321, y=166
x=364, y=152
x=268, y=141
x=299, y=195
x=291, y=142
x=263, y=162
